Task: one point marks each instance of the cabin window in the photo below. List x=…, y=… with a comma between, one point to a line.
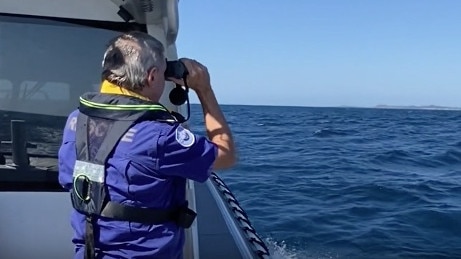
x=6, y=89
x=50, y=91
x=45, y=65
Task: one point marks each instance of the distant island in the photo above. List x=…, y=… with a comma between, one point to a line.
x=416, y=107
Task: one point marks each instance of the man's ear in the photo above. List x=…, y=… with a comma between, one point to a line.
x=151, y=76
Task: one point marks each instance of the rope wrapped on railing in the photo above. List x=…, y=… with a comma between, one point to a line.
x=258, y=245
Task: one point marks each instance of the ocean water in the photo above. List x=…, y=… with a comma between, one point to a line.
x=348, y=182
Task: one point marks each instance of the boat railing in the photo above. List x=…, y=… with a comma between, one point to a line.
x=247, y=240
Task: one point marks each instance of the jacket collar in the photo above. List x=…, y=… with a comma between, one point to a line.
x=110, y=88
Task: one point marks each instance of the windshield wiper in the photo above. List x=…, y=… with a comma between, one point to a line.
x=17, y=173
x=19, y=146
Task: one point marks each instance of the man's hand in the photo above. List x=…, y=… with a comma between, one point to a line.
x=198, y=78
x=217, y=129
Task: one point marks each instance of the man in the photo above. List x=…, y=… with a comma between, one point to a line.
x=125, y=159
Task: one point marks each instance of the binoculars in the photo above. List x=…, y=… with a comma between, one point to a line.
x=178, y=70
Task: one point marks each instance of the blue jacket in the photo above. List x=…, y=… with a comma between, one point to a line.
x=148, y=168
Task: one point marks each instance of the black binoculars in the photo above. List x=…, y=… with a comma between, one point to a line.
x=177, y=69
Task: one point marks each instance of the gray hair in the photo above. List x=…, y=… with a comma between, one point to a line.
x=129, y=58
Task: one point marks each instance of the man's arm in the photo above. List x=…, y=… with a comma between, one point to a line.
x=67, y=152
x=218, y=130
x=184, y=154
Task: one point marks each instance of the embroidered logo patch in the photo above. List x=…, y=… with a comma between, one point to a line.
x=184, y=137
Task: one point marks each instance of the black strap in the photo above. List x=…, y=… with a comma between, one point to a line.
x=89, y=239
x=117, y=130
x=142, y=215
x=81, y=137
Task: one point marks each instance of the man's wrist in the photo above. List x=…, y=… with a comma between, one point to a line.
x=204, y=91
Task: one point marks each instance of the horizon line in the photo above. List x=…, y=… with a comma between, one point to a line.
x=378, y=106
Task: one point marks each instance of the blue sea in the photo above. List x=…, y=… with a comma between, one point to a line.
x=348, y=182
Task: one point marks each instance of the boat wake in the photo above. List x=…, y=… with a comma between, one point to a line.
x=280, y=250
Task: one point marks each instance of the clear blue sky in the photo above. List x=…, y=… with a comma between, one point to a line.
x=327, y=53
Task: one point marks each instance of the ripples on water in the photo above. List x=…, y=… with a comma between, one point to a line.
x=349, y=183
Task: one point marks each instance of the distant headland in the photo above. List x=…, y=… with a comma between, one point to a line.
x=416, y=107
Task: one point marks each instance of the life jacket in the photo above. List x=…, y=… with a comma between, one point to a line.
x=102, y=121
